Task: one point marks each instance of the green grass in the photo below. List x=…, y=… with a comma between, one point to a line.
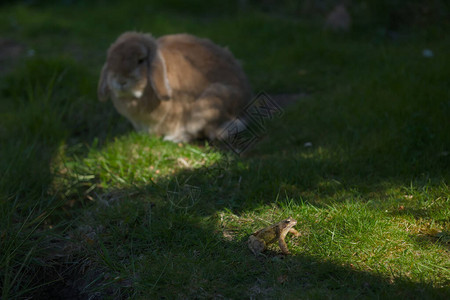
x=88, y=205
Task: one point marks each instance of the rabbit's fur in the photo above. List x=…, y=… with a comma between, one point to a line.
x=177, y=86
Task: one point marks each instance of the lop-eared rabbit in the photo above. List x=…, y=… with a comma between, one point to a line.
x=178, y=86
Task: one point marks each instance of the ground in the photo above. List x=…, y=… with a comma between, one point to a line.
x=359, y=156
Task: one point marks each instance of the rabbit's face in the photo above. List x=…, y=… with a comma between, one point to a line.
x=128, y=64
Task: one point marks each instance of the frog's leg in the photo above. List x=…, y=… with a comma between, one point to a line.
x=294, y=232
x=282, y=243
x=256, y=245
x=283, y=246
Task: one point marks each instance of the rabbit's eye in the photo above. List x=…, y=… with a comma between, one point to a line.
x=141, y=60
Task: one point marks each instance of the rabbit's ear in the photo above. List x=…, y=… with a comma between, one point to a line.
x=158, y=77
x=103, y=92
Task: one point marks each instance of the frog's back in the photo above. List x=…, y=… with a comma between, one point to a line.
x=269, y=235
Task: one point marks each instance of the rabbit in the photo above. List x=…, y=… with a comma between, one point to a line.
x=178, y=86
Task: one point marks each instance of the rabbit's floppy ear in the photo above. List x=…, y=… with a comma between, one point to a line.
x=158, y=77
x=103, y=92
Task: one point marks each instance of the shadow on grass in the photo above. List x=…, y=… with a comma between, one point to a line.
x=43, y=112
x=47, y=110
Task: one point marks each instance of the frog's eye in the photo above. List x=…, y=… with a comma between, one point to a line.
x=141, y=60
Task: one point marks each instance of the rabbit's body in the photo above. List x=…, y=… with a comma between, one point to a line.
x=178, y=86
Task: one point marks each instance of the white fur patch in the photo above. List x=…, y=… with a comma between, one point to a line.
x=138, y=94
x=177, y=137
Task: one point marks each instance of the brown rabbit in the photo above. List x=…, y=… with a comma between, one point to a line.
x=177, y=86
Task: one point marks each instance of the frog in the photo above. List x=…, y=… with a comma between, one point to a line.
x=258, y=241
